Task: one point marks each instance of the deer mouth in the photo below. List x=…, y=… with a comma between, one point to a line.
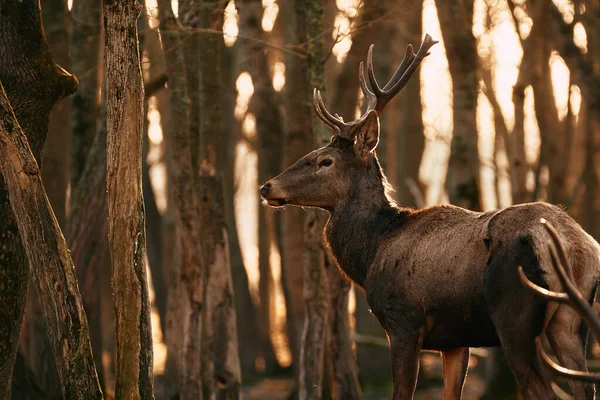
x=276, y=202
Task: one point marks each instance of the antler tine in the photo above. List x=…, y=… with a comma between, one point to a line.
x=371, y=72
x=391, y=91
x=367, y=93
x=562, y=266
x=324, y=114
x=409, y=56
x=376, y=96
x=562, y=371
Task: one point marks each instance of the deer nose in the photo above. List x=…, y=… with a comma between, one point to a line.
x=264, y=190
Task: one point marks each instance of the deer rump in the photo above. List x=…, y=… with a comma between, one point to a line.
x=454, y=272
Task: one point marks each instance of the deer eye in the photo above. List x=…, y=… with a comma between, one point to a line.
x=325, y=163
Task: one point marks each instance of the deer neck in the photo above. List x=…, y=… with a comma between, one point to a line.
x=357, y=228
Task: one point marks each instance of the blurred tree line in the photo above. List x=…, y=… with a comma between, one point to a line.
x=126, y=269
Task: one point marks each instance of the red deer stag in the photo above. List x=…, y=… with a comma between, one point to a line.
x=441, y=278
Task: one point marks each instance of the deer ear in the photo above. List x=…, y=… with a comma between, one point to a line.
x=367, y=136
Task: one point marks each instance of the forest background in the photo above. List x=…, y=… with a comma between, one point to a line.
x=161, y=124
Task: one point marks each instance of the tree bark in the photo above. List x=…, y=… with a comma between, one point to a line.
x=33, y=84
x=127, y=241
x=55, y=175
x=84, y=62
x=220, y=355
x=45, y=245
x=186, y=209
x=309, y=26
x=456, y=19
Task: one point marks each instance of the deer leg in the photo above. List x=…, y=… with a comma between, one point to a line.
x=405, y=351
x=455, y=364
x=563, y=334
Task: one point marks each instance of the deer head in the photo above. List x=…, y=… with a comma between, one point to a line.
x=327, y=176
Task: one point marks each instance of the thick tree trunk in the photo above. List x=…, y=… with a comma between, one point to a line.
x=55, y=175
x=33, y=84
x=187, y=212
x=456, y=19
x=124, y=118
x=45, y=246
x=309, y=19
x=85, y=51
x=220, y=355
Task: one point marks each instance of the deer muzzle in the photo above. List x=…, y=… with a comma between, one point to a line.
x=269, y=193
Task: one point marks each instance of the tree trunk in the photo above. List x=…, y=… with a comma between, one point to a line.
x=409, y=129
x=456, y=20
x=124, y=119
x=296, y=144
x=309, y=26
x=220, y=355
x=55, y=175
x=33, y=84
x=247, y=321
x=263, y=105
x=45, y=246
x=187, y=212
x=84, y=62
x=343, y=374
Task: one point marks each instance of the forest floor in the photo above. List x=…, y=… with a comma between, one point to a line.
x=283, y=388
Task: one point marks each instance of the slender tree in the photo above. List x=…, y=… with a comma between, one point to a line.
x=124, y=118
x=220, y=355
x=309, y=27
x=263, y=105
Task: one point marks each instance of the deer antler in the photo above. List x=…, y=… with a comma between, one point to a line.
x=378, y=97
x=571, y=296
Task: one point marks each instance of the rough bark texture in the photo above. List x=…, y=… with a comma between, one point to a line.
x=187, y=213
x=33, y=84
x=268, y=127
x=220, y=353
x=463, y=170
x=85, y=50
x=127, y=241
x=55, y=175
x=309, y=18
x=45, y=246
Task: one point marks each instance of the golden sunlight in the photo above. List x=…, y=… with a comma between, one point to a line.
x=269, y=15
x=245, y=89
x=560, y=84
x=436, y=99
x=230, y=24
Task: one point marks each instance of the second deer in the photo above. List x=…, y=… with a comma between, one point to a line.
x=441, y=278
